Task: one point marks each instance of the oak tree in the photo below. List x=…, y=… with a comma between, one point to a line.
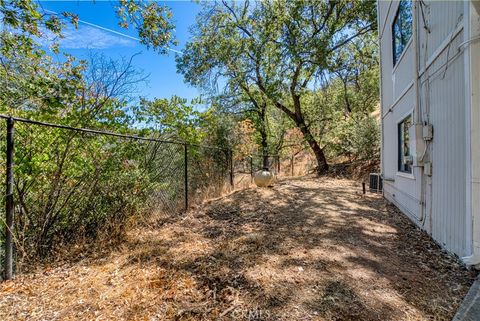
x=277, y=48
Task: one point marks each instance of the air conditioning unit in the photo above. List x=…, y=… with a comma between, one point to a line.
x=376, y=183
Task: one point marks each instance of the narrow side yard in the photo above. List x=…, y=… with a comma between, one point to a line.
x=307, y=249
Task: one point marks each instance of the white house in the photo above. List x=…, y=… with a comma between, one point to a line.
x=430, y=98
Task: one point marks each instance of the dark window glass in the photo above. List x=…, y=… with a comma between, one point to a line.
x=404, y=158
x=401, y=28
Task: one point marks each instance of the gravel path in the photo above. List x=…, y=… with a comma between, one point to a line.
x=307, y=249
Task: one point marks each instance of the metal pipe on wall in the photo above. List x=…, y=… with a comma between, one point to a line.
x=417, y=109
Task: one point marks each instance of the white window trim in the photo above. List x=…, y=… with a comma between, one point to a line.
x=406, y=175
x=400, y=120
x=399, y=60
x=399, y=98
x=404, y=52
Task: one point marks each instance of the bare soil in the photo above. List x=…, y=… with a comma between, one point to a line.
x=307, y=249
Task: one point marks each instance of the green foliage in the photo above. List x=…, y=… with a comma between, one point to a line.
x=72, y=185
x=174, y=118
x=194, y=123
x=219, y=129
x=69, y=185
x=288, y=69
x=340, y=115
x=24, y=16
x=276, y=49
x=355, y=139
x=152, y=21
x=26, y=19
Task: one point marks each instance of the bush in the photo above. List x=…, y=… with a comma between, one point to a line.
x=355, y=138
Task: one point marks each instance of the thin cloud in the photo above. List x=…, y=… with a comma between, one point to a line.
x=87, y=37
x=100, y=43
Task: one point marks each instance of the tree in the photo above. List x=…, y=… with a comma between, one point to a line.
x=53, y=167
x=174, y=118
x=278, y=48
x=348, y=100
x=26, y=19
x=257, y=113
x=32, y=82
x=152, y=21
x=27, y=72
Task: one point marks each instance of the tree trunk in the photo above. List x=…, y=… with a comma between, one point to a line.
x=297, y=117
x=322, y=165
x=264, y=144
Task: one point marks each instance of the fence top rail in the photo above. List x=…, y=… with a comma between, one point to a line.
x=260, y=155
x=106, y=133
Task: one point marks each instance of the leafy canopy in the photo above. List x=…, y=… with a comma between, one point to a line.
x=280, y=49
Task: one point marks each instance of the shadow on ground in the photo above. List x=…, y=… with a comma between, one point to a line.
x=307, y=249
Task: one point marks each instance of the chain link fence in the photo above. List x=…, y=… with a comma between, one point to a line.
x=67, y=184
x=72, y=184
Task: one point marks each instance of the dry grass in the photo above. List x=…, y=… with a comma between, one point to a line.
x=307, y=249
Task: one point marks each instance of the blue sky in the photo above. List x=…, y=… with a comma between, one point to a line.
x=164, y=80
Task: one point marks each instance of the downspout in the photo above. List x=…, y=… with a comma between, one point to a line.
x=417, y=110
x=382, y=164
x=472, y=51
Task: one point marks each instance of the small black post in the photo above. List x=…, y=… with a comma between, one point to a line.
x=186, y=175
x=278, y=164
x=291, y=164
x=364, y=188
x=231, y=167
x=9, y=203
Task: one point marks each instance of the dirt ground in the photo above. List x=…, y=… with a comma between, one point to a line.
x=307, y=249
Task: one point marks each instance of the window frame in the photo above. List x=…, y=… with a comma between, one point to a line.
x=405, y=43
x=401, y=167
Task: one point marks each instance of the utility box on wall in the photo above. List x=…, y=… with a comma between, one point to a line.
x=420, y=134
x=417, y=144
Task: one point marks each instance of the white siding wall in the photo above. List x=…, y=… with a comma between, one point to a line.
x=398, y=101
x=442, y=103
x=442, y=17
x=448, y=151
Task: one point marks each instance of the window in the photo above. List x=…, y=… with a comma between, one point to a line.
x=404, y=158
x=402, y=28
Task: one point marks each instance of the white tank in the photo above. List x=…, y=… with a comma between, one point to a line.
x=263, y=178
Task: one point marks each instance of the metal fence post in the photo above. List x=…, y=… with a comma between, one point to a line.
x=9, y=203
x=231, y=167
x=291, y=164
x=186, y=175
